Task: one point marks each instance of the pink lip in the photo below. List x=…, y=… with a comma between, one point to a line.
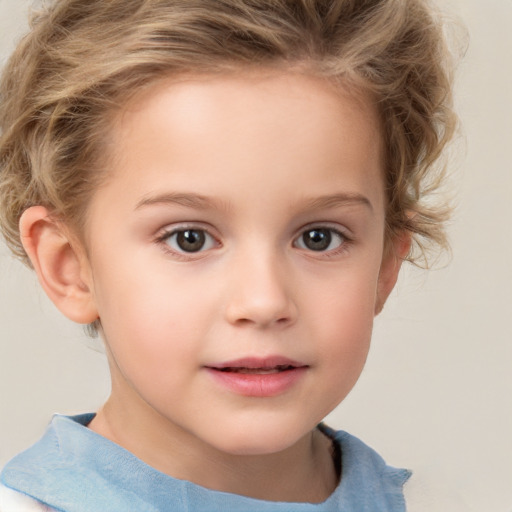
x=278, y=374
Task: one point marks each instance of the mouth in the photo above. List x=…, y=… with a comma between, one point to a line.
x=259, y=371
x=258, y=377
x=256, y=365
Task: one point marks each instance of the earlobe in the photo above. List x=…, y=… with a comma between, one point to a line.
x=390, y=268
x=58, y=266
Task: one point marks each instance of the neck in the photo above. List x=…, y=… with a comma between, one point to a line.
x=303, y=472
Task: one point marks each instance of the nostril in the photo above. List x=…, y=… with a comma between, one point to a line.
x=263, y=322
x=243, y=321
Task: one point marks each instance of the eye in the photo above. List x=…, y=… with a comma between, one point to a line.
x=189, y=240
x=320, y=239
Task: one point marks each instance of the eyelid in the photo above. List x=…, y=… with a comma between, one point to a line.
x=333, y=226
x=173, y=227
x=344, y=233
x=169, y=230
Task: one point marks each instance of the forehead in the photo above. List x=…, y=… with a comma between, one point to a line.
x=245, y=129
x=247, y=97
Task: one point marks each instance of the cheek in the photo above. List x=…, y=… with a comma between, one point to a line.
x=344, y=299
x=154, y=321
x=144, y=320
x=344, y=314
x=150, y=347
x=346, y=331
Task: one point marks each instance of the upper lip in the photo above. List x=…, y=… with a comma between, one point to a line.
x=258, y=362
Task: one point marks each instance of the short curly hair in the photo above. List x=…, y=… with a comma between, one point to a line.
x=82, y=60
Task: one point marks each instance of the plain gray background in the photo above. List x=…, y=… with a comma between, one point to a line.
x=437, y=390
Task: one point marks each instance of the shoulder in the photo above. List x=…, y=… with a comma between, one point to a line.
x=423, y=489
x=13, y=501
x=429, y=492
x=28, y=481
x=367, y=482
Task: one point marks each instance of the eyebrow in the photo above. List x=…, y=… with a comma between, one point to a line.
x=181, y=199
x=201, y=202
x=334, y=200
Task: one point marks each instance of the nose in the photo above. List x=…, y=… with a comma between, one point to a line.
x=260, y=293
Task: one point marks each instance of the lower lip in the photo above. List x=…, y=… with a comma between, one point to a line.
x=258, y=385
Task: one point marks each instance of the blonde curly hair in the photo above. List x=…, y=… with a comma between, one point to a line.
x=82, y=59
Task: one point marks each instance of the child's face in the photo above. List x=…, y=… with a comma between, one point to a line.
x=242, y=226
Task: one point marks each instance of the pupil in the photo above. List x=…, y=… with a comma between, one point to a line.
x=190, y=240
x=317, y=239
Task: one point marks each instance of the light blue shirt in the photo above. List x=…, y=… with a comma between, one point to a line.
x=73, y=469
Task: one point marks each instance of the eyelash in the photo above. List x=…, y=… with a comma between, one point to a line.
x=163, y=238
x=344, y=241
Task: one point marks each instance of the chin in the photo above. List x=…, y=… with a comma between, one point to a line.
x=258, y=440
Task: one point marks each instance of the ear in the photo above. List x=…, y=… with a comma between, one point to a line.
x=392, y=260
x=62, y=271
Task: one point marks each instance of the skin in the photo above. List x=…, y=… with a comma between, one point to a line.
x=253, y=161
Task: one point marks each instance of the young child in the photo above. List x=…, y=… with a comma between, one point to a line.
x=224, y=191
